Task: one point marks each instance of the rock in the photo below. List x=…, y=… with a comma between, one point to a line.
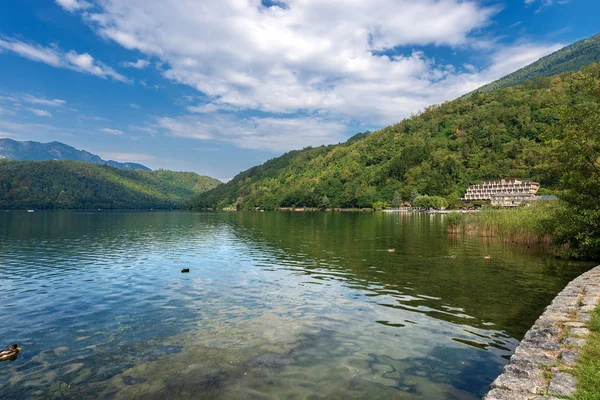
x=543, y=334
x=562, y=385
x=499, y=394
x=530, y=360
x=520, y=378
x=541, y=344
x=571, y=324
x=574, y=342
x=580, y=332
x=570, y=357
x=547, y=350
x=584, y=317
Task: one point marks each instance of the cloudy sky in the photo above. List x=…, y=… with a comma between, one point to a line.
x=219, y=86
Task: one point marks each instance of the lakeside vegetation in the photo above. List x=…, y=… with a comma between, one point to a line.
x=70, y=184
x=525, y=225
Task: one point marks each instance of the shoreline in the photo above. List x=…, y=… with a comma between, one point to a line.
x=542, y=363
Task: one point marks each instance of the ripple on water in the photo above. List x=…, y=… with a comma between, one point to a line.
x=275, y=305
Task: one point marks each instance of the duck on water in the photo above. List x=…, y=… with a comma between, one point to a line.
x=11, y=353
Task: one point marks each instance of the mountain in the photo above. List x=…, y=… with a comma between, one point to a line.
x=568, y=59
x=68, y=184
x=36, y=151
x=438, y=152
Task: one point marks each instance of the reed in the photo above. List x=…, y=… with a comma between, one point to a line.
x=525, y=225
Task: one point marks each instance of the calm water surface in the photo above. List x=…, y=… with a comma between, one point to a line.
x=277, y=305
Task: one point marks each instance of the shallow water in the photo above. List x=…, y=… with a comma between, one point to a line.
x=277, y=305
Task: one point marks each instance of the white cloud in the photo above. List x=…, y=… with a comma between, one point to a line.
x=307, y=56
x=543, y=4
x=139, y=64
x=335, y=61
x=45, y=102
x=73, y=5
x=40, y=113
x=268, y=133
x=111, y=131
x=136, y=106
x=57, y=58
x=4, y=111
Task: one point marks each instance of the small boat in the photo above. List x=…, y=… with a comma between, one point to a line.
x=30, y=210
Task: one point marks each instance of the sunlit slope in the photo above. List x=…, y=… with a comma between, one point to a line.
x=568, y=59
x=482, y=136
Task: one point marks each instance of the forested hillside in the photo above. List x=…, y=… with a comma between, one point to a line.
x=77, y=185
x=569, y=59
x=438, y=152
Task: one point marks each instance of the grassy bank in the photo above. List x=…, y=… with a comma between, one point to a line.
x=588, y=367
x=527, y=225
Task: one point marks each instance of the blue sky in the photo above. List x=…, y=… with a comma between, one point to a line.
x=217, y=87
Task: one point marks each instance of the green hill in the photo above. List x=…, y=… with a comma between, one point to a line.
x=438, y=152
x=70, y=184
x=569, y=59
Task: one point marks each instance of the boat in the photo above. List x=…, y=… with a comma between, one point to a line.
x=30, y=210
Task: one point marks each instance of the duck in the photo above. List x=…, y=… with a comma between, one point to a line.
x=11, y=353
x=487, y=257
x=185, y=270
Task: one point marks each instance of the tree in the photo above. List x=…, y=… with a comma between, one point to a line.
x=397, y=200
x=413, y=195
x=576, y=148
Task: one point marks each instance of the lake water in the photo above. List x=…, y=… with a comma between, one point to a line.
x=277, y=305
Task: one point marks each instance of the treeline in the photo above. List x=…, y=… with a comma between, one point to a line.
x=70, y=184
x=502, y=134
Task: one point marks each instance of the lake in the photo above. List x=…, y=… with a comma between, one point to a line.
x=283, y=305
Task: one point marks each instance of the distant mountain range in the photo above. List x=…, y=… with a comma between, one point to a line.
x=36, y=151
x=568, y=59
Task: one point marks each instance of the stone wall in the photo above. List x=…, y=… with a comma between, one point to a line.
x=541, y=365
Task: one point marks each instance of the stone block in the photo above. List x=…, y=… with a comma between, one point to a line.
x=521, y=379
x=574, y=342
x=579, y=332
x=572, y=324
x=499, y=394
x=543, y=334
x=583, y=317
x=562, y=385
x=570, y=357
x=531, y=360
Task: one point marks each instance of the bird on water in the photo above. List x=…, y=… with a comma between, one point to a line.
x=11, y=353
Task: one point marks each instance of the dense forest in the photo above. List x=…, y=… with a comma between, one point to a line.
x=568, y=59
x=70, y=184
x=437, y=153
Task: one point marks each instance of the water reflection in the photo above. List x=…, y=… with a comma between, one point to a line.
x=277, y=305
